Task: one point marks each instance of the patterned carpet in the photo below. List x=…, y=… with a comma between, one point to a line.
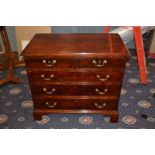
x=16, y=105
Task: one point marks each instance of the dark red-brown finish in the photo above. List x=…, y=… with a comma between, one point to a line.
x=51, y=76
x=99, y=90
x=110, y=75
x=76, y=73
x=88, y=63
x=76, y=104
x=53, y=90
x=43, y=45
x=60, y=63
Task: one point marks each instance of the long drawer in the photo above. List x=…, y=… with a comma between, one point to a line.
x=108, y=75
x=76, y=104
x=79, y=90
x=50, y=63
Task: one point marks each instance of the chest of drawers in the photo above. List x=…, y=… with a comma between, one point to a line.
x=76, y=73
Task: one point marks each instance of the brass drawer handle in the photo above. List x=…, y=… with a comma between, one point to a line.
x=103, y=79
x=49, y=92
x=47, y=79
x=101, y=92
x=100, y=106
x=51, y=106
x=49, y=63
x=99, y=63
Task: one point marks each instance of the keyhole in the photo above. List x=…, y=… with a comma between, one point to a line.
x=99, y=61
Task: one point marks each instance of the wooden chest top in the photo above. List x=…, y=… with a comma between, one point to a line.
x=76, y=44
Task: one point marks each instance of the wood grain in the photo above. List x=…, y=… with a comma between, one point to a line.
x=84, y=70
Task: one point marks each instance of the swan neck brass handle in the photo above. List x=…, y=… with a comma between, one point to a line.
x=101, y=92
x=99, y=63
x=49, y=92
x=49, y=78
x=103, y=79
x=51, y=106
x=49, y=63
x=100, y=105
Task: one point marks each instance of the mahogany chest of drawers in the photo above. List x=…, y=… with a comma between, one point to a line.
x=76, y=73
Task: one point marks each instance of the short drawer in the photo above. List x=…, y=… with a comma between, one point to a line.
x=97, y=104
x=53, y=90
x=54, y=103
x=51, y=76
x=108, y=75
x=49, y=63
x=100, y=63
x=99, y=90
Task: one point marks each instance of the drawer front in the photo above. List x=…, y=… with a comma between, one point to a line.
x=51, y=76
x=100, y=63
x=49, y=63
x=99, y=90
x=76, y=104
x=97, y=104
x=111, y=75
x=54, y=103
x=53, y=90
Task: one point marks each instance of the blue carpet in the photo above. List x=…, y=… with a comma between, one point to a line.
x=16, y=105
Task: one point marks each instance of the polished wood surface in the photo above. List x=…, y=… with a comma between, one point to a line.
x=50, y=63
x=53, y=90
x=51, y=76
x=110, y=75
x=75, y=44
x=80, y=104
x=76, y=73
x=102, y=62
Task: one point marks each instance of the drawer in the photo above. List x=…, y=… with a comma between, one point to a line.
x=53, y=90
x=97, y=104
x=51, y=76
x=49, y=63
x=109, y=75
x=54, y=103
x=100, y=63
x=76, y=104
x=99, y=90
